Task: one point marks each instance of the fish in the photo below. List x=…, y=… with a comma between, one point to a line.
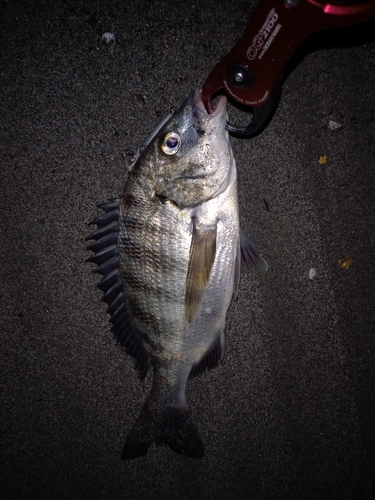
x=170, y=251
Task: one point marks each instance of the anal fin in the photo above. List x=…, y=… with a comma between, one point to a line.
x=211, y=359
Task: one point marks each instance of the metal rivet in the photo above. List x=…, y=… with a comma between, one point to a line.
x=291, y=3
x=238, y=77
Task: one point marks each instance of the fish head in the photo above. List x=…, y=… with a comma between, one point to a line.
x=189, y=160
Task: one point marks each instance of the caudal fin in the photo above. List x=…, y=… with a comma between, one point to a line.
x=174, y=426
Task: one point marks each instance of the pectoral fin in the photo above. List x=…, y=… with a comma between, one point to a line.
x=237, y=271
x=250, y=256
x=202, y=257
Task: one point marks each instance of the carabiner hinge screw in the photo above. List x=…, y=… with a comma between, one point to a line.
x=291, y=4
x=240, y=76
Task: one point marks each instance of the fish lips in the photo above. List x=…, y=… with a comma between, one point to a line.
x=206, y=122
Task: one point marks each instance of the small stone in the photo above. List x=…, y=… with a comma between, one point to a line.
x=333, y=125
x=312, y=273
x=108, y=37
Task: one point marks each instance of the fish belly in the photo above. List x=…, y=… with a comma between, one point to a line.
x=154, y=247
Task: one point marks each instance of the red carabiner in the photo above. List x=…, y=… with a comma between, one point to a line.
x=252, y=71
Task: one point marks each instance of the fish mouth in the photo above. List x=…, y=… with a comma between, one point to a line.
x=202, y=119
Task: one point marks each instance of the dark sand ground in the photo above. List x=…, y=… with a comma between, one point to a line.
x=290, y=413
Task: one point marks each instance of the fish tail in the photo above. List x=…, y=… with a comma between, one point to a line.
x=140, y=437
x=173, y=426
x=180, y=433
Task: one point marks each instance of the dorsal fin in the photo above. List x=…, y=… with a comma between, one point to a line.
x=106, y=257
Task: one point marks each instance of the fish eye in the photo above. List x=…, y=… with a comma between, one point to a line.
x=171, y=143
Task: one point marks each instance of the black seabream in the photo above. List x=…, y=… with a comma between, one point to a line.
x=169, y=252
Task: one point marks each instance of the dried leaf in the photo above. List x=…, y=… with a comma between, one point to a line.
x=345, y=262
x=322, y=159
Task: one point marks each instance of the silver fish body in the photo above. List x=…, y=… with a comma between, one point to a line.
x=169, y=253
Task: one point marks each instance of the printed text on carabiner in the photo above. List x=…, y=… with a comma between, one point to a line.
x=263, y=34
